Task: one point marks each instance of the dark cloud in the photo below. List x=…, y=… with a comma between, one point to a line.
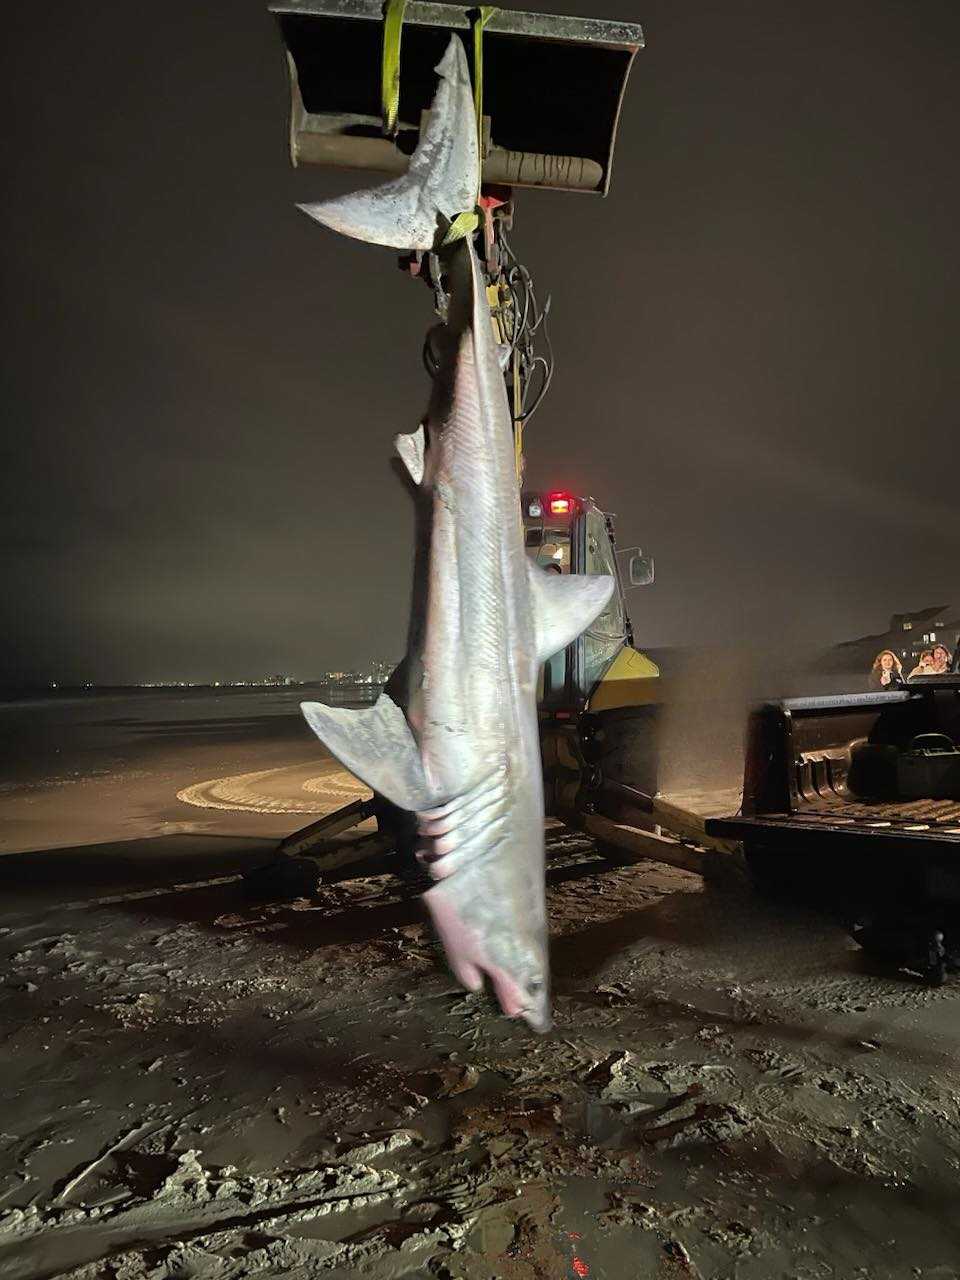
x=755, y=334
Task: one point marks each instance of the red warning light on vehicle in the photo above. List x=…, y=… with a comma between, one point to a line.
x=560, y=504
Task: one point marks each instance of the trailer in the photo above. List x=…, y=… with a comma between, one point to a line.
x=855, y=801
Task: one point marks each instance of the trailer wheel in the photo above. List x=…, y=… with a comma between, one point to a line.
x=906, y=941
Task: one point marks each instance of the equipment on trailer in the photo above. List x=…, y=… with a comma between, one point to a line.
x=929, y=769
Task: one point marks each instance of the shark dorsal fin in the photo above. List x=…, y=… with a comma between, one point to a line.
x=564, y=605
x=412, y=449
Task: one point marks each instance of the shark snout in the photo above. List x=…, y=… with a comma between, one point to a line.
x=536, y=1009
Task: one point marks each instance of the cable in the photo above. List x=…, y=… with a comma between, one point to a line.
x=524, y=320
x=529, y=321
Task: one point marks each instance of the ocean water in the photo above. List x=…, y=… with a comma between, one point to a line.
x=82, y=731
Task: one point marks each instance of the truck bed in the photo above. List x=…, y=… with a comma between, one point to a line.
x=796, y=792
x=916, y=822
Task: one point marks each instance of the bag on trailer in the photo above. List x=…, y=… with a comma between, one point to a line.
x=929, y=769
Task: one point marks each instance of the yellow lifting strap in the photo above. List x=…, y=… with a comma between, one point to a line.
x=480, y=20
x=463, y=225
x=393, y=12
x=517, y=420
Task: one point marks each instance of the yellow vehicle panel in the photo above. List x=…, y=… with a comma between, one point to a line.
x=631, y=680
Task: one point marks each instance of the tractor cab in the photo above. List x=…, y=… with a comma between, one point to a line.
x=599, y=697
x=568, y=534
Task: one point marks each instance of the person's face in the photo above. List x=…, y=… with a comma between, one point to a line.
x=940, y=655
x=886, y=662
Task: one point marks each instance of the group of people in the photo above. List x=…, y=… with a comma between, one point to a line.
x=887, y=671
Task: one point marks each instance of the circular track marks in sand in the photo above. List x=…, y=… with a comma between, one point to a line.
x=291, y=789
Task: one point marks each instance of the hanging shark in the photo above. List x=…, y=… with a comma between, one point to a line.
x=464, y=753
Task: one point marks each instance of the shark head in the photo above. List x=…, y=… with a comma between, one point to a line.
x=517, y=966
x=536, y=1008
x=521, y=982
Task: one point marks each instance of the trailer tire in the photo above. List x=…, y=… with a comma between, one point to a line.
x=910, y=942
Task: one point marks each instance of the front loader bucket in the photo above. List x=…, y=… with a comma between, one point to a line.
x=552, y=89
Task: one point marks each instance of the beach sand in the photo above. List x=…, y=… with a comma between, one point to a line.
x=197, y=1084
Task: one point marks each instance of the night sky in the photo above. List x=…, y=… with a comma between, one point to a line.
x=756, y=339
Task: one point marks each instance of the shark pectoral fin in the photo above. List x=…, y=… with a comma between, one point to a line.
x=376, y=745
x=564, y=606
x=412, y=449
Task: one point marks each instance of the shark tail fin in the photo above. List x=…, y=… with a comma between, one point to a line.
x=377, y=746
x=442, y=181
x=565, y=605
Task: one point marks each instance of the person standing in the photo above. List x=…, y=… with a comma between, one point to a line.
x=887, y=671
x=942, y=660
x=925, y=666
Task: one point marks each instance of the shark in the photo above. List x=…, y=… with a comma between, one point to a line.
x=463, y=752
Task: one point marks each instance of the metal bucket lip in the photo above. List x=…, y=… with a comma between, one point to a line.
x=510, y=22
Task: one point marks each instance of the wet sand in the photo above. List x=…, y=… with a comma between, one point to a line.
x=194, y=1084
x=78, y=771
